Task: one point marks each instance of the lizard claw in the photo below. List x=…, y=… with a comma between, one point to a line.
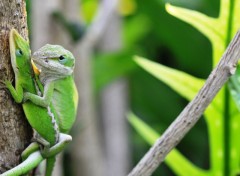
x=45, y=151
x=43, y=144
x=5, y=84
x=25, y=97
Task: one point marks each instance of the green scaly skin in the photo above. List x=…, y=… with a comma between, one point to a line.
x=56, y=66
x=39, y=117
x=34, y=157
x=56, y=83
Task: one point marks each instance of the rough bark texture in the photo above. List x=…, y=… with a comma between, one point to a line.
x=191, y=113
x=15, y=132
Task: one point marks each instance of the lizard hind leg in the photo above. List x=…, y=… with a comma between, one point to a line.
x=44, y=144
x=34, y=146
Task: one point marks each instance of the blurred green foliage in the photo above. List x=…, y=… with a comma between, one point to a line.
x=151, y=32
x=175, y=160
x=221, y=116
x=88, y=10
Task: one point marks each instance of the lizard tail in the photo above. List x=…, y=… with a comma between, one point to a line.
x=50, y=165
x=30, y=163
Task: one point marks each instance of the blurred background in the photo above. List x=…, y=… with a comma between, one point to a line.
x=104, y=36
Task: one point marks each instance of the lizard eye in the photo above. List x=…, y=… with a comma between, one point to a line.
x=62, y=59
x=19, y=52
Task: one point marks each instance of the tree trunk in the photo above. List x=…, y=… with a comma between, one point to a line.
x=15, y=133
x=87, y=151
x=114, y=107
x=43, y=26
x=89, y=143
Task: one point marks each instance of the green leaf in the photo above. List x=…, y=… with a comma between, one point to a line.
x=235, y=18
x=175, y=160
x=88, y=9
x=183, y=83
x=221, y=114
x=222, y=119
x=110, y=66
x=207, y=25
x=132, y=32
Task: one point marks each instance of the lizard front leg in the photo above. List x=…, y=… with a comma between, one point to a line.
x=44, y=100
x=17, y=93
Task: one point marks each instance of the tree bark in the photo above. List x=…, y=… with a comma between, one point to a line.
x=114, y=106
x=15, y=132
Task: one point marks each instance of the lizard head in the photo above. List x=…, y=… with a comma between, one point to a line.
x=53, y=61
x=20, y=52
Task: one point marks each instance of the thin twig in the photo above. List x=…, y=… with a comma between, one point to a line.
x=191, y=113
x=100, y=23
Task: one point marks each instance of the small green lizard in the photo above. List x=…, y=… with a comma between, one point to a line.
x=54, y=65
x=40, y=118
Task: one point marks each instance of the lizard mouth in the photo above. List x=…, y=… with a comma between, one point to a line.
x=40, y=66
x=36, y=70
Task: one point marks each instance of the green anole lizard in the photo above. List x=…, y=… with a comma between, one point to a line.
x=54, y=66
x=40, y=118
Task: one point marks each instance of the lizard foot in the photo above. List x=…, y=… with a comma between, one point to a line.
x=5, y=84
x=44, y=145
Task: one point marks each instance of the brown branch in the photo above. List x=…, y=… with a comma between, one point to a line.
x=101, y=21
x=14, y=129
x=192, y=112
